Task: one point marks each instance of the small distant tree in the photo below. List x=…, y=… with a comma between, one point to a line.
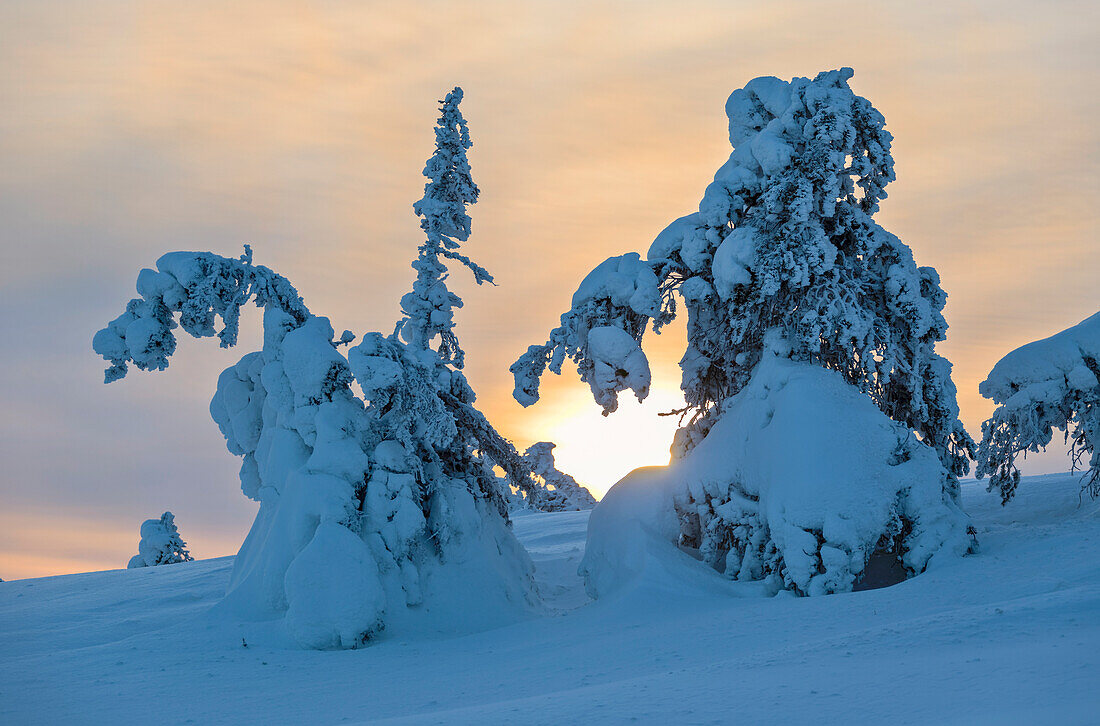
x=160, y=544
x=1045, y=385
x=559, y=492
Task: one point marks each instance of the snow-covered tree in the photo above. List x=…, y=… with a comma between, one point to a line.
x=559, y=492
x=1049, y=384
x=784, y=248
x=160, y=544
x=365, y=501
x=371, y=505
x=429, y=307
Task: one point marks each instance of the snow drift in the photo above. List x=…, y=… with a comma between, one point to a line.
x=797, y=485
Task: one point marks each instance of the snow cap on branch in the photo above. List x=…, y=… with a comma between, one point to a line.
x=1049, y=384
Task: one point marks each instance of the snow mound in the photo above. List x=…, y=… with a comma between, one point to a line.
x=797, y=485
x=334, y=591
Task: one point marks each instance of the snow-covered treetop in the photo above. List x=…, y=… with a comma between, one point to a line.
x=429, y=307
x=783, y=239
x=198, y=286
x=1049, y=384
x=450, y=188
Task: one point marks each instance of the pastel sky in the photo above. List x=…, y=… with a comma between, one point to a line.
x=131, y=129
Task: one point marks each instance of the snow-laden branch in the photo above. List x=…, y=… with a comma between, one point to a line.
x=1049, y=384
x=188, y=290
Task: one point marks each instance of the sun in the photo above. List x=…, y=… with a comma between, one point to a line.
x=600, y=450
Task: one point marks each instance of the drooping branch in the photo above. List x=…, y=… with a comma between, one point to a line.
x=190, y=290
x=1049, y=384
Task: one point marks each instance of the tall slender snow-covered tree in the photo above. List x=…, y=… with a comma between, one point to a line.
x=1049, y=384
x=783, y=259
x=371, y=505
x=160, y=544
x=429, y=308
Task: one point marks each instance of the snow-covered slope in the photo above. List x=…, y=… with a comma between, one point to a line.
x=1010, y=635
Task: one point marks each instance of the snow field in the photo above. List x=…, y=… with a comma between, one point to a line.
x=1009, y=635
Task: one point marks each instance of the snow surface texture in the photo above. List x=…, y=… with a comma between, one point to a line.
x=1010, y=635
x=794, y=487
x=784, y=253
x=1050, y=384
x=160, y=544
x=559, y=491
x=377, y=512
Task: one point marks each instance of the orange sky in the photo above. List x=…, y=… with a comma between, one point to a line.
x=133, y=129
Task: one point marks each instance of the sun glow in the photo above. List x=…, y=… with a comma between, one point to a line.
x=600, y=450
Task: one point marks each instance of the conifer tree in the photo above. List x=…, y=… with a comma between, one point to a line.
x=1045, y=385
x=370, y=503
x=783, y=261
x=429, y=307
x=160, y=544
x=558, y=491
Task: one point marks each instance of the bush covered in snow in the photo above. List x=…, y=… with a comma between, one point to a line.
x=799, y=483
x=783, y=248
x=160, y=544
x=558, y=491
x=1049, y=384
x=370, y=506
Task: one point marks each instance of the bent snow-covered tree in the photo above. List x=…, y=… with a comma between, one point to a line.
x=558, y=491
x=1045, y=385
x=160, y=544
x=783, y=267
x=375, y=510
